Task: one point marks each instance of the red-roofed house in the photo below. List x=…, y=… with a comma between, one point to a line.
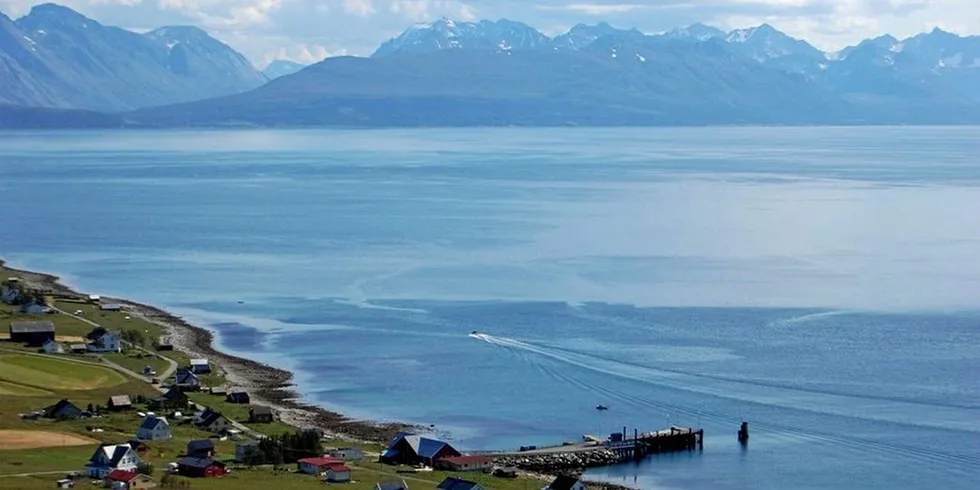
x=338, y=474
x=465, y=463
x=316, y=466
x=128, y=480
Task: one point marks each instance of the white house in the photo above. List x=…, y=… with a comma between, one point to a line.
x=110, y=457
x=153, y=428
x=52, y=347
x=565, y=482
x=348, y=453
x=338, y=474
x=105, y=341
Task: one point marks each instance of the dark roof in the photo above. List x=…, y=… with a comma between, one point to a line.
x=115, y=452
x=392, y=485
x=31, y=327
x=209, y=417
x=563, y=482
x=185, y=376
x=200, y=445
x=198, y=462
x=260, y=410
x=453, y=483
x=174, y=394
x=151, y=423
x=62, y=405
x=423, y=446
x=96, y=333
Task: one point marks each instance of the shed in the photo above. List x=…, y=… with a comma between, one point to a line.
x=453, y=483
x=238, y=397
x=32, y=333
x=348, y=453
x=391, y=485
x=338, y=474
x=65, y=483
x=128, y=480
x=119, y=402
x=200, y=366
x=63, y=410
x=78, y=348
x=260, y=414
x=111, y=307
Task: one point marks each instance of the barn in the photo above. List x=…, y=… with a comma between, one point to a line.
x=32, y=333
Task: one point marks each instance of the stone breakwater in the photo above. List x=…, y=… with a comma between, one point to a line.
x=551, y=463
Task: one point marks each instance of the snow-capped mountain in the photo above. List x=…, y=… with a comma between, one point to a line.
x=582, y=35
x=502, y=35
x=765, y=42
x=694, y=32
x=57, y=57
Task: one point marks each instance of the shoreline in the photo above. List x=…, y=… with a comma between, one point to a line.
x=267, y=384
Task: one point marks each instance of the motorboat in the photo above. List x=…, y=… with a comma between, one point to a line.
x=601, y=407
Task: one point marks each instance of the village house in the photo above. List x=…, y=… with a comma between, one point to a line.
x=128, y=480
x=153, y=428
x=200, y=366
x=211, y=420
x=35, y=308
x=465, y=463
x=260, y=414
x=186, y=380
x=219, y=391
x=200, y=448
x=338, y=474
x=52, y=347
x=109, y=457
x=78, y=348
x=453, y=483
x=111, y=307
x=347, y=453
x=119, y=403
x=391, y=485
x=239, y=397
x=63, y=410
x=318, y=465
x=174, y=398
x=565, y=482
x=413, y=449
x=201, y=467
x=10, y=291
x=243, y=447
x=32, y=333
x=102, y=340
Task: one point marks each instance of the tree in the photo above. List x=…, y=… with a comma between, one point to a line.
x=253, y=457
x=145, y=469
x=91, y=408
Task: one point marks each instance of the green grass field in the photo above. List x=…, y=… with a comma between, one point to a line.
x=55, y=374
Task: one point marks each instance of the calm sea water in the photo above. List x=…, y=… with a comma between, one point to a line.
x=821, y=284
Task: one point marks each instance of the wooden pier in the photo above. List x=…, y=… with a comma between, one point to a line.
x=672, y=439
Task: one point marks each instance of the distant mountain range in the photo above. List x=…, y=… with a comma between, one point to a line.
x=448, y=73
x=57, y=57
x=281, y=68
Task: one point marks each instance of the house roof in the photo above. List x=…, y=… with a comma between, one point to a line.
x=198, y=362
x=110, y=306
x=185, y=376
x=174, y=394
x=114, y=452
x=475, y=459
x=423, y=446
x=151, y=423
x=339, y=468
x=61, y=405
x=78, y=347
x=453, y=483
x=200, y=445
x=392, y=485
x=322, y=461
x=198, y=462
x=31, y=327
x=120, y=400
x=260, y=410
x=122, y=475
x=563, y=482
x=209, y=417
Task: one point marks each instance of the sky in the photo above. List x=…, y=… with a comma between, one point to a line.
x=310, y=30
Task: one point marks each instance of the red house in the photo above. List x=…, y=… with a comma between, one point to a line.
x=201, y=467
x=316, y=466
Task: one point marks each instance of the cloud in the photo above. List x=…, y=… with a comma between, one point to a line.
x=305, y=30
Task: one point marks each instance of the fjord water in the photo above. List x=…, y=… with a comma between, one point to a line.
x=820, y=283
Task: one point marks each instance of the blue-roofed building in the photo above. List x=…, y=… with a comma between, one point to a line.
x=453, y=483
x=413, y=449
